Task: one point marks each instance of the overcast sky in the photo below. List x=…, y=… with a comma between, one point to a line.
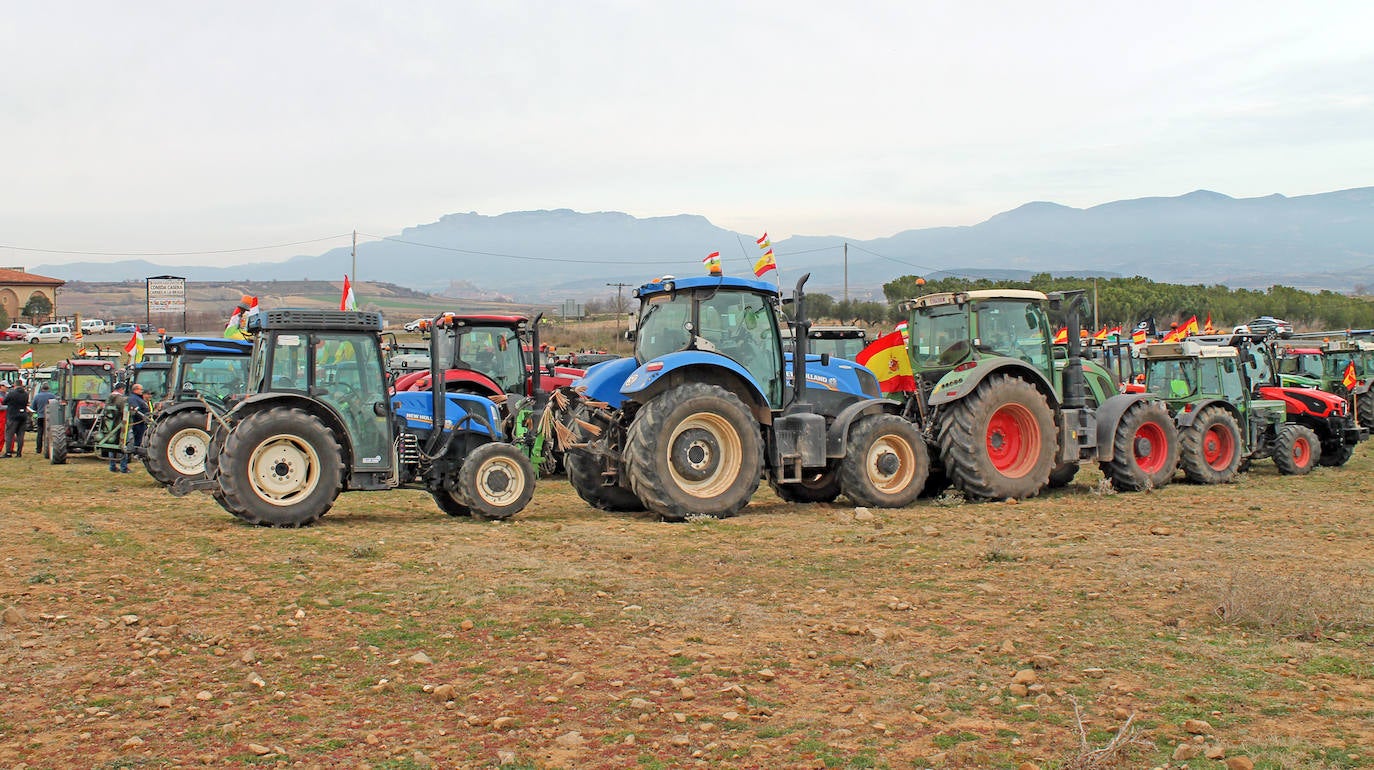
x=184, y=126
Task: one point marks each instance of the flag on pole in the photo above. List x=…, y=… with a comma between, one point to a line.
x=1101, y=333
x=763, y=242
x=887, y=358
x=712, y=263
x=1139, y=336
x=26, y=360
x=1207, y=328
x=765, y=263
x=348, y=301
x=902, y=327
x=1350, y=378
x=134, y=347
x=1191, y=327
x=252, y=303
x=1061, y=337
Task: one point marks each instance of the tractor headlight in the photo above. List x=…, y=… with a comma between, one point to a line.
x=868, y=382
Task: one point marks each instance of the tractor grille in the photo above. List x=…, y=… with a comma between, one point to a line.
x=316, y=320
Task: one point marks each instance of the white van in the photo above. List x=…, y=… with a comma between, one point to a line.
x=52, y=333
x=92, y=326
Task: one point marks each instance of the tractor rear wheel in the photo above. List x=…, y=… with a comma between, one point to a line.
x=1336, y=453
x=999, y=441
x=177, y=445
x=1144, y=449
x=497, y=481
x=820, y=487
x=56, y=444
x=1364, y=409
x=694, y=450
x=885, y=462
x=450, y=502
x=280, y=468
x=1296, y=449
x=584, y=473
x=1062, y=475
x=1211, y=448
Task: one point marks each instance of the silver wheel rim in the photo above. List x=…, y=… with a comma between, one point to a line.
x=499, y=481
x=283, y=470
x=186, y=451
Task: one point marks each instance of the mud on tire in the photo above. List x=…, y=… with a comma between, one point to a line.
x=280, y=467
x=694, y=450
x=1144, y=449
x=885, y=463
x=999, y=441
x=584, y=473
x=1210, y=449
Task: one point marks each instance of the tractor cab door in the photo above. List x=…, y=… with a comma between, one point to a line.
x=348, y=376
x=743, y=326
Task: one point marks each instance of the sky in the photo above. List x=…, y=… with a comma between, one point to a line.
x=154, y=127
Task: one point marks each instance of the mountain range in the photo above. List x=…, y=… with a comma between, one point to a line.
x=1311, y=241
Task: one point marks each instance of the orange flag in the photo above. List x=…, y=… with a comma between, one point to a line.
x=1350, y=379
x=887, y=358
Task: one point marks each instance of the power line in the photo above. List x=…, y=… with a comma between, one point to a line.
x=173, y=253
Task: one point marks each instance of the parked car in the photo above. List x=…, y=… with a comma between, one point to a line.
x=147, y=328
x=1266, y=324
x=414, y=326
x=18, y=332
x=93, y=326
x=60, y=332
x=126, y=328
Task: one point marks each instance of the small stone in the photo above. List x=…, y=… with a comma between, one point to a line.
x=1024, y=676
x=1240, y=763
x=679, y=740
x=505, y=757
x=570, y=740
x=1160, y=530
x=256, y=680
x=466, y=625
x=132, y=742
x=371, y=739
x=259, y=749
x=687, y=693
x=163, y=701
x=503, y=723
x=248, y=656
x=1043, y=661
x=1095, y=673
x=129, y=620
x=420, y=659
x=1120, y=713
x=767, y=675
x=1019, y=690
x=1185, y=751
x=204, y=695
x=863, y=514
x=1215, y=751
x=1008, y=647
x=576, y=680
x=445, y=692
x=639, y=704
x=1028, y=766
x=477, y=720
x=930, y=531
x=730, y=716
x=12, y=616
x=1197, y=727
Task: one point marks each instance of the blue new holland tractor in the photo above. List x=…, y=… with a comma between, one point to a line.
x=319, y=420
x=709, y=405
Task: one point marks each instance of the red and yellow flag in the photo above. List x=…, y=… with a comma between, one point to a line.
x=1190, y=328
x=1350, y=378
x=765, y=263
x=1207, y=328
x=887, y=358
x=1139, y=336
x=1061, y=337
x=1101, y=333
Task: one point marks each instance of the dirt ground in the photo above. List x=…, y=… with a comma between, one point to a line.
x=141, y=630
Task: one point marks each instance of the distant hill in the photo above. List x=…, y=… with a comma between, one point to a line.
x=1311, y=241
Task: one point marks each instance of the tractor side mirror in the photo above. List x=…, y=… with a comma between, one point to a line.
x=825, y=359
x=379, y=409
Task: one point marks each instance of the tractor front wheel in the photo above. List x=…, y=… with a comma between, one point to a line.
x=450, y=502
x=497, y=481
x=1211, y=447
x=695, y=450
x=1364, y=409
x=56, y=445
x=280, y=468
x=1144, y=449
x=999, y=442
x=584, y=472
x=1296, y=449
x=885, y=462
x=177, y=446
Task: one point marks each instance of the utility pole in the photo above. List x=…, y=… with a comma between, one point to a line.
x=619, y=308
x=353, y=276
x=846, y=271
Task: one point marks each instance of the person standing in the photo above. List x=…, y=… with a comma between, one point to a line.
x=139, y=415
x=40, y=414
x=4, y=411
x=16, y=420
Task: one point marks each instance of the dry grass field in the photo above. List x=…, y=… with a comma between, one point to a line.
x=141, y=630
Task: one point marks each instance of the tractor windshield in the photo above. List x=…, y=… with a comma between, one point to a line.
x=154, y=382
x=1336, y=362
x=214, y=378
x=1171, y=378
x=939, y=338
x=663, y=326
x=846, y=348
x=1303, y=364
x=495, y=352
x=92, y=386
x=1013, y=329
x=1258, y=370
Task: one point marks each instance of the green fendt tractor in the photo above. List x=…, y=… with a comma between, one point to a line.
x=1005, y=419
x=1222, y=425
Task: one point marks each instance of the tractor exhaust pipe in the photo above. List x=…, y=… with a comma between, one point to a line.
x=800, y=341
x=1075, y=390
x=536, y=356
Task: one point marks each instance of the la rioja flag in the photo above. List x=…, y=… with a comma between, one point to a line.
x=348, y=301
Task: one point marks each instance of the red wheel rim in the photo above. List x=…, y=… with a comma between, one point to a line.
x=1302, y=453
x=1218, y=447
x=1013, y=440
x=1150, y=447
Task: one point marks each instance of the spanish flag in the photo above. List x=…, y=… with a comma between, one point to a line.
x=1350, y=378
x=765, y=263
x=1139, y=336
x=1101, y=334
x=1061, y=337
x=1190, y=328
x=887, y=358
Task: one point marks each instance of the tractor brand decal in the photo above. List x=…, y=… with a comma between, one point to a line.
x=372, y=460
x=632, y=379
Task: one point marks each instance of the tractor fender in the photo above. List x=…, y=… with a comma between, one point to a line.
x=1362, y=388
x=694, y=365
x=838, y=433
x=261, y=401
x=177, y=407
x=958, y=383
x=1109, y=416
x=602, y=382
x=1185, y=418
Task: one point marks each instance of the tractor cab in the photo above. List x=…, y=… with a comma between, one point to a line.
x=1301, y=366
x=838, y=341
x=953, y=328
x=9, y=374
x=209, y=368
x=477, y=354
x=154, y=376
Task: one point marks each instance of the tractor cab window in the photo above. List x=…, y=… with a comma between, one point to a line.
x=1302, y=364
x=1171, y=378
x=940, y=338
x=154, y=382
x=663, y=326
x=92, y=386
x=290, y=359
x=213, y=378
x=842, y=347
x=1232, y=385
x=1209, y=371
x=741, y=325
x=495, y=352
x=1257, y=369
x=349, y=378
x=1336, y=363
x=1012, y=329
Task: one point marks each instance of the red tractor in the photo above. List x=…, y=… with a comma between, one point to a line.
x=493, y=356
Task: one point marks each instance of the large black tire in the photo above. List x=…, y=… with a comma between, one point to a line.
x=937, y=481
x=56, y=448
x=999, y=442
x=1364, y=409
x=694, y=450
x=1144, y=449
x=280, y=468
x=213, y=452
x=1062, y=475
x=1335, y=453
x=885, y=462
x=450, y=502
x=584, y=473
x=177, y=446
x=821, y=487
x=1296, y=449
x=1210, y=449
x=497, y=481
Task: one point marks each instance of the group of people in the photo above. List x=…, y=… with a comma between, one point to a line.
x=14, y=419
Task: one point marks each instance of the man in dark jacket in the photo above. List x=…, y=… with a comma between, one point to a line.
x=40, y=414
x=139, y=417
x=16, y=420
